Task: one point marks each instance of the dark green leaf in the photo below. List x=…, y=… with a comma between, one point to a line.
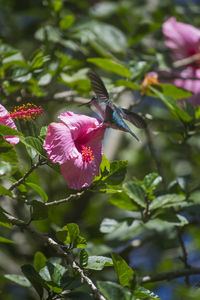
x=4, y=221
x=6, y=130
x=135, y=192
x=83, y=258
x=124, y=273
x=113, y=291
x=4, y=191
x=35, y=144
x=35, y=279
x=38, y=210
x=38, y=189
x=122, y=201
x=172, y=105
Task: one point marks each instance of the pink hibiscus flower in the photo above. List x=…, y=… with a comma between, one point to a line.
x=5, y=119
x=76, y=144
x=184, y=41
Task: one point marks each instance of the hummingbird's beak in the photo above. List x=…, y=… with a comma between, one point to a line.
x=89, y=102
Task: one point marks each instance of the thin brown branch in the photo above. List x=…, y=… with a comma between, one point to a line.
x=154, y=155
x=184, y=257
x=186, y=61
x=169, y=275
x=71, y=197
x=21, y=180
x=57, y=247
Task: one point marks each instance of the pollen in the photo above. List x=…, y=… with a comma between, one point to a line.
x=87, y=154
x=26, y=112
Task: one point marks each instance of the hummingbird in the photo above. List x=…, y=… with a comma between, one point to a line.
x=113, y=116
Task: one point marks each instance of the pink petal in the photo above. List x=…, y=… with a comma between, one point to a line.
x=12, y=139
x=78, y=174
x=79, y=125
x=59, y=143
x=182, y=39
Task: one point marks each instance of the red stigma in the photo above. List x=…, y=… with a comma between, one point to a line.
x=25, y=112
x=87, y=154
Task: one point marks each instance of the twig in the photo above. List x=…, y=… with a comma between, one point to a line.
x=21, y=180
x=170, y=275
x=58, y=202
x=97, y=295
x=153, y=154
x=184, y=257
x=186, y=61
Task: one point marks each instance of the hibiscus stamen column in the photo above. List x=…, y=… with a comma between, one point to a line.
x=87, y=154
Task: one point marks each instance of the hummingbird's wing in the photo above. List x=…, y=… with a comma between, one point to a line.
x=99, y=88
x=134, y=118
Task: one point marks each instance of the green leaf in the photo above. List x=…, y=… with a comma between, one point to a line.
x=69, y=234
x=172, y=105
x=67, y=22
x=38, y=59
x=4, y=240
x=9, y=156
x=4, y=221
x=19, y=279
x=38, y=189
x=138, y=69
x=128, y=84
x=117, y=173
x=6, y=130
x=124, y=273
x=151, y=181
x=38, y=210
x=173, y=91
x=122, y=201
x=166, y=200
x=109, y=65
x=43, y=131
x=4, y=191
x=98, y=262
x=57, y=5
x=39, y=261
x=108, y=225
x=83, y=258
x=35, y=279
x=34, y=144
x=45, y=79
x=141, y=293
x=135, y=192
x=113, y=291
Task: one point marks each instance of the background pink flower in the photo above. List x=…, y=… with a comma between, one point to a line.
x=8, y=122
x=184, y=41
x=76, y=144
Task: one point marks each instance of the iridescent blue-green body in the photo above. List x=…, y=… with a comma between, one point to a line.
x=112, y=115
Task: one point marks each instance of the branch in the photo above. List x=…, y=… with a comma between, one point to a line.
x=58, y=202
x=186, y=61
x=21, y=180
x=184, y=257
x=153, y=154
x=169, y=275
x=69, y=259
